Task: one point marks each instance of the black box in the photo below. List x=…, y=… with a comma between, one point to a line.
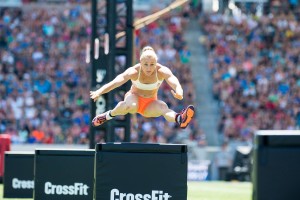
x=64, y=174
x=18, y=175
x=276, y=165
x=140, y=171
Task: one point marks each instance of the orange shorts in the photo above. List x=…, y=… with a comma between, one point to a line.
x=143, y=103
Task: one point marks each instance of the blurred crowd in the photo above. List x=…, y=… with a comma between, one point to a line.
x=43, y=76
x=44, y=80
x=255, y=65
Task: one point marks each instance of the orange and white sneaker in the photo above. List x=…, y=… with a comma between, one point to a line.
x=99, y=119
x=187, y=115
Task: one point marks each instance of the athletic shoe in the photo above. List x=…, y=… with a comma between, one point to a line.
x=187, y=115
x=99, y=119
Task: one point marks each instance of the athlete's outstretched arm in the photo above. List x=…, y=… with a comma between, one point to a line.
x=173, y=82
x=117, y=82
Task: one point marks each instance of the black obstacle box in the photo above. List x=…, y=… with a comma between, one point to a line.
x=276, y=166
x=140, y=171
x=63, y=174
x=18, y=174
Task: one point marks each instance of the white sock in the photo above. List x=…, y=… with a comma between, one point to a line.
x=108, y=116
x=178, y=119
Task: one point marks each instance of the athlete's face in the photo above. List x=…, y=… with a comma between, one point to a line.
x=148, y=65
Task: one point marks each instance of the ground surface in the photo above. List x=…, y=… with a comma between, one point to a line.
x=206, y=191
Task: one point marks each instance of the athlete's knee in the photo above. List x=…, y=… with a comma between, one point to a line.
x=157, y=109
x=163, y=107
x=128, y=106
x=133, y=107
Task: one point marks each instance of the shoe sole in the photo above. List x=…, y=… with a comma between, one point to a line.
x=94, y=120
x=190, y=111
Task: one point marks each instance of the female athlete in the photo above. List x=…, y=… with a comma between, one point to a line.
x=146, y=78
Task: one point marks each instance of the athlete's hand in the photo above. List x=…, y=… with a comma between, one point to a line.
x=177, y=95
x=94, y=95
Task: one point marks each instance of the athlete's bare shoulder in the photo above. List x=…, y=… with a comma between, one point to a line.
x=133, y=71
x=163, y=71
x=136, y=67
x=162, y=68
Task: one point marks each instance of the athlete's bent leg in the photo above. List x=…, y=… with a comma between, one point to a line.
x=129, y=105
x=159, y=108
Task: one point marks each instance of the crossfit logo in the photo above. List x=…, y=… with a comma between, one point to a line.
x=115, y=194
x=76, y=189
x=22, y=184
x=100, y=74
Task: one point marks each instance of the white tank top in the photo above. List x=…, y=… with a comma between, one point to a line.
x=143, y=86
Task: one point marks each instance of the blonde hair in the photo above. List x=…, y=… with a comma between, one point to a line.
x=148, y=52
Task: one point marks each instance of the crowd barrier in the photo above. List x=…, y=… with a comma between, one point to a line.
x=63, y=174
x=140, y=171
x=276, y=165
x=112, y=171
x=18, y=175
x=5, y=142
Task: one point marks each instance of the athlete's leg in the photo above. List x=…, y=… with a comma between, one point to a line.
x=129, y=105
x=158, y=108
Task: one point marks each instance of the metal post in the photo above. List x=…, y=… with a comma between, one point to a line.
x=103, y=67
x=111, y=29
x=93, y=68
x=130, y=53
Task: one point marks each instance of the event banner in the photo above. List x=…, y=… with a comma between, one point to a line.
x=64, y=174
x=199, y=170
x=140, y=171
x=18, y=175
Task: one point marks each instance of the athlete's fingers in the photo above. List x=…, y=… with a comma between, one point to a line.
x=95, y=98
x=177, y=96
x=94, y=95
x=180, y=97
x=173, y=93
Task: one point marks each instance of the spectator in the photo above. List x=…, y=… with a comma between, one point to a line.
x=44, y=77
x=255, y=67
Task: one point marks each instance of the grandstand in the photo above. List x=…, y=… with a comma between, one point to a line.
x=237, y=60
x=54, y=68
